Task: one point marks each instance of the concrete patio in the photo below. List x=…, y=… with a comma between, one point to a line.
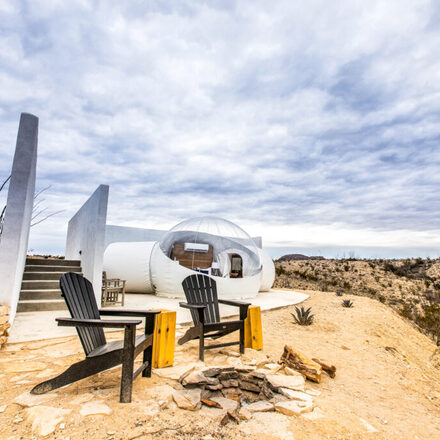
x=31, y=326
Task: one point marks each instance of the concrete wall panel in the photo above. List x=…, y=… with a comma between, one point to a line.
x=86, y=237
x=15, y=236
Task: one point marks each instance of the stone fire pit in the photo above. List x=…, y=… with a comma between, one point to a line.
x=243, y=390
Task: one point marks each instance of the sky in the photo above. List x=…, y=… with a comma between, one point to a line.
x=313, y=124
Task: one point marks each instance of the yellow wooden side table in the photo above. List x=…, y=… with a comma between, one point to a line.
x=164, y=339
x=253, y=333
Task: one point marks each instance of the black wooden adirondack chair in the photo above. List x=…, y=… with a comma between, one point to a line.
x=201, y=295
x=100, y=356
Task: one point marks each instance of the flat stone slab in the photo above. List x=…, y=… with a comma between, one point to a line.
x=45, y=419
x=293, y=407
x=295, y=395
x=27, y=400
x=277, y=381
x=260, y=406
x=188, y=399
x=95, y=408
x=226, y=404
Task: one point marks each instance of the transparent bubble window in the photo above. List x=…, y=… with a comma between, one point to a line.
x=213, y=246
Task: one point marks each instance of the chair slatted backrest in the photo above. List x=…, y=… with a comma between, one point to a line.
x=202, y=290
x=80, y=299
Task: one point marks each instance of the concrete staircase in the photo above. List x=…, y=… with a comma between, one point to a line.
x=40, y=288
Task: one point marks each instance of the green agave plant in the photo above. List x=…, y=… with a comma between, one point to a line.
x=303, y=316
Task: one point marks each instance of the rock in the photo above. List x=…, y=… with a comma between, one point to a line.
x=261, y=406
x=266, y=390
x=226, y=375
x=232, y=383
x=211, y=403
x=249, y=386
x=277, y=381
x=27, y=400
x=272, y=367
x=288, y=371
x=295, y=395
x=435, y=358
x=245, y=368
x=244, y=413
x=95, y=408
x=188, y=399
x=45, y=419
x=214, y=387
x=194, y=378
x=300, y=362
x=226, y=404
x=259, y=373
x=316, y=414
x=293, y=407
x=212, y=371
x=3, y=408
x=178, y=372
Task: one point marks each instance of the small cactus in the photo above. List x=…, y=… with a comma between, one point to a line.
x=347, y=303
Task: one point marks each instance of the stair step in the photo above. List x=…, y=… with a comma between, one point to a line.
x=39, y=284
x=48, y=276
x=39, y=268
x=38, y=306
x=48, y=262
x=31, y=295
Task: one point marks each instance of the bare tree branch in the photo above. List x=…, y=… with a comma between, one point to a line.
x=45, y=218
x=5, y=182
x=41, y=190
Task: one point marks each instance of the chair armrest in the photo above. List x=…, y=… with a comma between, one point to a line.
x=191, y=306
x=243, y=307
x=72, y=322
x=142, y=313
x=229, y=302
x=200, y=311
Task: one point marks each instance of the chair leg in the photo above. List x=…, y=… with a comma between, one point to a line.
x=127, y=365
x=202, y=345
x=148, y=357
x=242, y=338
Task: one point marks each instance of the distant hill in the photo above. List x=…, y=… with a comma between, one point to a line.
x=298, y=257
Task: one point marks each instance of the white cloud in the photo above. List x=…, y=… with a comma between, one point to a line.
x=284, y=115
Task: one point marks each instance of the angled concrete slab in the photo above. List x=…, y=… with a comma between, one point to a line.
x=15, y=236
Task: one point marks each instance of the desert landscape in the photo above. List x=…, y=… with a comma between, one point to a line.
x=409, y=286
x=386, y=384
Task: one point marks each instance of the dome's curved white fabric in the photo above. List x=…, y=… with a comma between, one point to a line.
x=130, y=261
x=167, y=276
x=267, y=272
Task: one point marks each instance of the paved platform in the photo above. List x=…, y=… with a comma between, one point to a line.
x=31, y=326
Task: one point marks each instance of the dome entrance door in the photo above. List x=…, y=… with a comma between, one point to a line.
x=236, y=266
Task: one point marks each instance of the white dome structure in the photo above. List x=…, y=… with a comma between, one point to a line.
x=210, y=245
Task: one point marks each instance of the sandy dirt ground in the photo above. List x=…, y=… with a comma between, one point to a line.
x=387, y=381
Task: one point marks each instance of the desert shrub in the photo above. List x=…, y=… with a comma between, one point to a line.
x=430, y=320
x=303, y=316
x=339, y=293
x=347, y=303
x=279, y=270
x=347, y=267
x=381, y=298
x=347, y=285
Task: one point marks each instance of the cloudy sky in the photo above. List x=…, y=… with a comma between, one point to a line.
x=314, y=124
